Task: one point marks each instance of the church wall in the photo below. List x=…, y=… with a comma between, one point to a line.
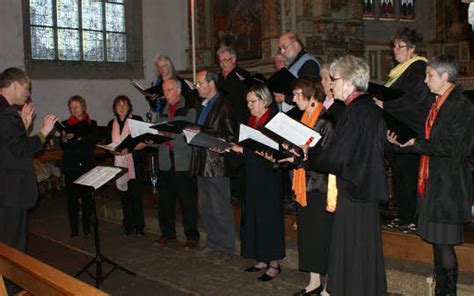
x=165, y=31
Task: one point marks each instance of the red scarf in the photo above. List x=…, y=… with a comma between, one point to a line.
x=73, y=120
x=423, y=172
x=171, y=111
x=352, y=97
x=255, y=122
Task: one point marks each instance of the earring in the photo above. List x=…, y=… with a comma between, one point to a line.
x=313, y=104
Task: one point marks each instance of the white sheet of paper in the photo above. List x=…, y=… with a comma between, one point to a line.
x=246, y=132
x=138, y=128
x=110, y=146
x=285, y=107
x=189, y=134
x=98, y=176
x=292, y=130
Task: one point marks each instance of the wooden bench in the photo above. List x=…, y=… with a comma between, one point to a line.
x=38, y=278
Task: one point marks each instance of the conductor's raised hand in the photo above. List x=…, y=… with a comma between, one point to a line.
x=27, y=114
x=48, y=124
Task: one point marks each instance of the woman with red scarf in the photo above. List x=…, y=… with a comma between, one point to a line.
x=444, y=176
x=262, y=230
x=78, y=142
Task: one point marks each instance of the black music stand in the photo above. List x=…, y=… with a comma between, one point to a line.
x=99, y=258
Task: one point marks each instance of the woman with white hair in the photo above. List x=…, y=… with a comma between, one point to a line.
x=356, y=157
x=444, y=176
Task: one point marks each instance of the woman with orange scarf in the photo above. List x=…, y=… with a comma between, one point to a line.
x=262, y=230
x=314, y=222
x=444, y=177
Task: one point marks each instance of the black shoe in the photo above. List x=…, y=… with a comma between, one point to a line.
x=139, y=233
x=266, y=278
x=126, y=232
x=255, y=269
x=315, y=292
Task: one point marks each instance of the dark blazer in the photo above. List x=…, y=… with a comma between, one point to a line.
x=356, y=155
x=234, y=88
x=413, y=107
x=449, y=187
x=325, y=127
x=18, y=181
x=78, y=156
x=220, y=123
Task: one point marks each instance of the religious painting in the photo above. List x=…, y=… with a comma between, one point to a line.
x=237, y=23
x=369, y=8
x=407, y=9
x=387, y=9
x=455, y=17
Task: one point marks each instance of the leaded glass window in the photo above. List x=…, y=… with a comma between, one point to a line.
x=78, y=30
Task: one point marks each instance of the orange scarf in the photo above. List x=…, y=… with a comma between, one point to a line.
x=299, y=175
x=423, y=172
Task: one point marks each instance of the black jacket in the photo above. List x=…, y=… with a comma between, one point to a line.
x=234, y=88
x=413, y=107
x=78, y=156
x=449, y=188
x=356, y=155
x=219, y=122
x=18, y=186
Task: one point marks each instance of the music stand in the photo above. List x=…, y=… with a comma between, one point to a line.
x=88, y=182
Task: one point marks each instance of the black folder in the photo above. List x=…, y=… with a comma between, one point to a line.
x=205, y=140
x=259, y=147
x=385, y=94
x=175, y=127
x=280, y=82
x=280, y=140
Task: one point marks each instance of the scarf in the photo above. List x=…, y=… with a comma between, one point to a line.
x=423, y=172
x=299, y=175
x=255, y=122
x=73, y=120
x=396, y=72
x=123, y=161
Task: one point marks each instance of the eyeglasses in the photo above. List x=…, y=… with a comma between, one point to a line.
x=225, y=60
x=252, y=101
x=169, y=89
x=200, y=83
x=334, y=79
x=398, y=46
x=285, y=47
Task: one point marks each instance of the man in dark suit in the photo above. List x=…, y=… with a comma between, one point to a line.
x=18, y=189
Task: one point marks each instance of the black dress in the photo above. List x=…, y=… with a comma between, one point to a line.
x=356, y=157
x=262, y=230
x=314, y=222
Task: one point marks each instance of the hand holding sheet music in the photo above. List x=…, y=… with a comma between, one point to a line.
x=261, y=144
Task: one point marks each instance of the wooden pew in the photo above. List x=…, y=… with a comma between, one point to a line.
x=38, y=278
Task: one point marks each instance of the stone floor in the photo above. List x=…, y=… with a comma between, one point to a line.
x=170, y=270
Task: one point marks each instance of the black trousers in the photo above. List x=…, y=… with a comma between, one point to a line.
x=172, y=186
x=13, y=232
x=74, y=194
x=132, y=206
x=405, y=176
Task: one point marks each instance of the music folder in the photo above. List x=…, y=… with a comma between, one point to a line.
x=130, y=143
x=205, y=140
x=385, y=94
x=176, y=127
x=146, y=92
x=256, y=141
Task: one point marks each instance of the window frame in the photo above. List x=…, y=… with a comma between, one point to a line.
x=132, y=68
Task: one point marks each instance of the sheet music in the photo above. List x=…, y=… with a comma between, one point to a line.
x=292, y=130
x=246, y=132
x=98, y=176
x=110, y=146
x=138, y=128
